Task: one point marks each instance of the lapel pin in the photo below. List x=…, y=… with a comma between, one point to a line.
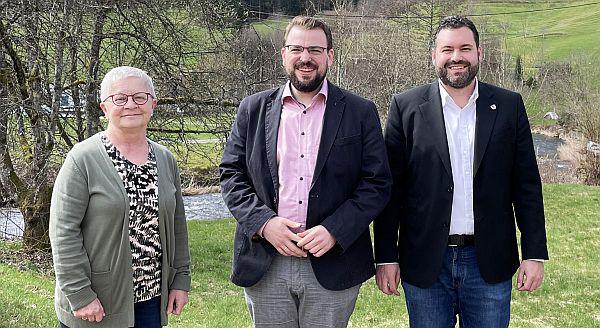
x=493, y=106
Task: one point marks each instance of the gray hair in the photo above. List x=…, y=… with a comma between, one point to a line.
x=122, y=72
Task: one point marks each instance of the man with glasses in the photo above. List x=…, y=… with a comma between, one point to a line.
x=464, y=170
x=304, y=172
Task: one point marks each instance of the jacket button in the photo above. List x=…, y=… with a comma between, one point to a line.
x=446, y=225
x=450, y=189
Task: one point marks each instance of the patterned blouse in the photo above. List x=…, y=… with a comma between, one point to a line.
x=141, y=185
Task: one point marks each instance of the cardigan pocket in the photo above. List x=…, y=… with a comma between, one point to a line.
x=101, y=286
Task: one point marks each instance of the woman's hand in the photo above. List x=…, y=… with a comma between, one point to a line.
x=91, y=312
x=177, y=300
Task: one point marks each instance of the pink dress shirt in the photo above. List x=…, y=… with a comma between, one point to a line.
x=298, y=141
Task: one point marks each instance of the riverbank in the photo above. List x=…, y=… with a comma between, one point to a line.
x=206, y=203
x=204, y=206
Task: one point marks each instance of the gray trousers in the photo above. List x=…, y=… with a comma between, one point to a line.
x=289, y=296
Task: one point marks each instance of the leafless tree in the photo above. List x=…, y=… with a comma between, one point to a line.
x=52, y=55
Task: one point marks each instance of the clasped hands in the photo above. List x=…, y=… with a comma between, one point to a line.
x=316, y=240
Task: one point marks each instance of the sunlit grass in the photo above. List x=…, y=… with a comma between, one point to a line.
x=568, y=298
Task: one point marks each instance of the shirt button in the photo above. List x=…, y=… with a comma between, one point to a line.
x=302, y=133
x=300, y=202
x=301, y=178
x=303, y=112
x=302, y=156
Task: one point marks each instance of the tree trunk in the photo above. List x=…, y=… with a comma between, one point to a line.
x=91, y=88
x=35, y=206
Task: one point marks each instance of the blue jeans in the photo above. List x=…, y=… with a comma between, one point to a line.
x=460, y=290
x=147, y=314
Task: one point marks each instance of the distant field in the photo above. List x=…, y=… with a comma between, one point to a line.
x=546, y=31
x=555, y=34
x=268, y=25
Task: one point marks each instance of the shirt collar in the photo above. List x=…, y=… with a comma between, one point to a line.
x=446, y=97
x=287, y=91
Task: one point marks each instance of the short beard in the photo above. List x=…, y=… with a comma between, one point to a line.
x=461, y=81
x=306, y=86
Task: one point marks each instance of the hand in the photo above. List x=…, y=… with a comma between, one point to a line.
x=277, y=232
x=388, y=278
x=93, y=312
x=177, y=300
x=530, y=276
x=317, y=240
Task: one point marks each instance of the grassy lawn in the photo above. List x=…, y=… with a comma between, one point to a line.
x=569, y=297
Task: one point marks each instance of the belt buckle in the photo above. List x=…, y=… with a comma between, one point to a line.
x=457, y=240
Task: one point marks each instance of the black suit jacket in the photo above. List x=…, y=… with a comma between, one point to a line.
x=351, y=185
x=413, y=229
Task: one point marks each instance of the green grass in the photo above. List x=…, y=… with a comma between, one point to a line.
x=267, y=26
x=26, y=299
x=568, y=298
x=552, y=34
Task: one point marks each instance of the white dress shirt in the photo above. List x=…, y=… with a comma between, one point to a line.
x=460, y=132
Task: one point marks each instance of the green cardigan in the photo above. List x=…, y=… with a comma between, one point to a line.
x=89, y=233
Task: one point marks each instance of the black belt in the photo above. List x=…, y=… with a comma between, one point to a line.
x=461, y=240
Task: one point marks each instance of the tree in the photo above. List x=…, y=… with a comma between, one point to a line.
x=52, y=55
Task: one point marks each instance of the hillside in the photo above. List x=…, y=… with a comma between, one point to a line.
x=552, y=30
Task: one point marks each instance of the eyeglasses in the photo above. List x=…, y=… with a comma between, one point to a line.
x=120, y=99
x=295, y=49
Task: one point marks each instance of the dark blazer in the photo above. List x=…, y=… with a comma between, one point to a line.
x=351, y=185
x=413, y=229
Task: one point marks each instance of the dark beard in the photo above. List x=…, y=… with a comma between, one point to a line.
x=306, y=86
x=460, y=81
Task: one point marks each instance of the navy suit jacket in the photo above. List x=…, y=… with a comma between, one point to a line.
x=351, y=185
x=413, y=229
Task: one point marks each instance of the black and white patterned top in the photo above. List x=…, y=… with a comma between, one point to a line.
x=141, y=185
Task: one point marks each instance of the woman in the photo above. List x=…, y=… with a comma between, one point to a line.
x=117, y=223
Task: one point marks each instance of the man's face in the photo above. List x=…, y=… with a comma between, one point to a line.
x=306, y=70
x=456, y=57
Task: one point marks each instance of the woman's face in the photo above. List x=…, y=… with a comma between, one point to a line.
x=129, y=116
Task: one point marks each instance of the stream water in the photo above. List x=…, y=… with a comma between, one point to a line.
x=212, y=207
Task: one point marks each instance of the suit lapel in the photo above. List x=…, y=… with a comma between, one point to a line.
x=272, y=118
x=334, y=110
x=485, y=118
x=431, y=110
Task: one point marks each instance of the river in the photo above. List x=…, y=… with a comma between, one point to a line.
x=212, y=207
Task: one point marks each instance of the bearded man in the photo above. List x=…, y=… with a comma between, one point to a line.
x=304, y=173
x=464, y=169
